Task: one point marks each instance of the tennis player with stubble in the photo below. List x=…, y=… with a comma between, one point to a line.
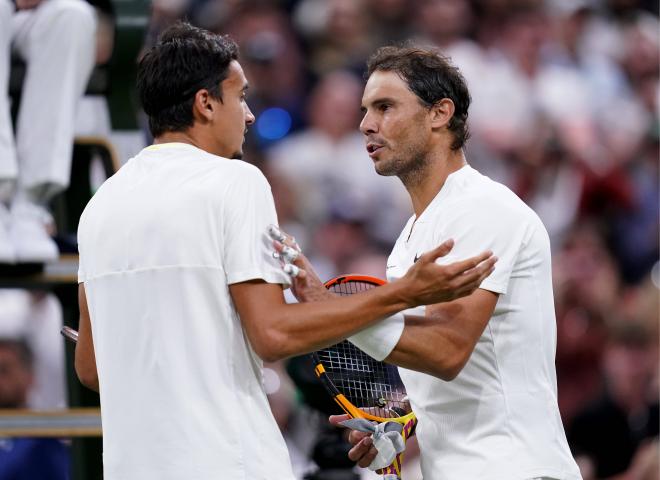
x=180, y=297
x=479, y=371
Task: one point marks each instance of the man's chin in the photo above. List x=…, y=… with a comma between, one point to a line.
x=384, y=169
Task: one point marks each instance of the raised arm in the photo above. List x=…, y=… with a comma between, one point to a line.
x=439, y=343
x=277, y=330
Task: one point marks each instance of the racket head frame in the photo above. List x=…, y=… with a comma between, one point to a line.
x=345, y=404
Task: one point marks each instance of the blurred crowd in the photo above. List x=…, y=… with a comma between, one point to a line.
x=565, y=111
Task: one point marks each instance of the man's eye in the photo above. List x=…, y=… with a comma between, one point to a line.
x=384, y=107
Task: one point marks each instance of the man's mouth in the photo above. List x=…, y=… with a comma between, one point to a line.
x=373, y=148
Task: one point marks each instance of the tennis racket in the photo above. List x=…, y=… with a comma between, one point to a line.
x=361, y=386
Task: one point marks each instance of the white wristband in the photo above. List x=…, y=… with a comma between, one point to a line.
x=379, y=340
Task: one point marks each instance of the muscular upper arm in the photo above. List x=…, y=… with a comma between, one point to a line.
x=441, y=342
x=85, y=361
x=254, y=301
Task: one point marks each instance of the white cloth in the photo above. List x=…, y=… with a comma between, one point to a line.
x=498, y=419
x=57, y=42
x=379, y=340
x=386, y=436
x=182, y=394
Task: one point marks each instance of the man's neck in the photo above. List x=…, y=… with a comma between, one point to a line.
x=190, y=137
x=433, y=179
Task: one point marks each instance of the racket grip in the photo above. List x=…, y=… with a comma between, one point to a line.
x=70, y=334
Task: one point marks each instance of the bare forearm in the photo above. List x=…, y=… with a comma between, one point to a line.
x=442, y=342
x=293, y=329
x=428, y=347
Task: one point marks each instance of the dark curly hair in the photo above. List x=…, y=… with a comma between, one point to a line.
x=432, y=77
x=185, y=60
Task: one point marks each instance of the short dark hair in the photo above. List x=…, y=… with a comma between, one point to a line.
x=185, y=60
x=432, y=77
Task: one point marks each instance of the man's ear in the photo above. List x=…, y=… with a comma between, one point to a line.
x=203, y=106
x=442, y=112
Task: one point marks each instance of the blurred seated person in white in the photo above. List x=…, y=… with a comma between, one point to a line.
x=56, y=40
x=36, y=317
x=25, y=458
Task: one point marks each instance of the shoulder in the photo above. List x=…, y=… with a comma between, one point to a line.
x=245, y=174
x=480, y=195
x=479, y=206
x=103, y=196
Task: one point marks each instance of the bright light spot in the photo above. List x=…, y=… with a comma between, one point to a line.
x=273, y=123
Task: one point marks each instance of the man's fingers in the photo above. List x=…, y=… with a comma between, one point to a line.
x=461, y=267
x=276, y=234
x=478, y=273
x=355, y=436
x=289, y=255
x=440, y=251
x=363, y=452
x=470, y=281
x=337, y=419
x=294, y=271
x=283, y=238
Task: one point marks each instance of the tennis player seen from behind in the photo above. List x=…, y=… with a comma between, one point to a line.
x=479, y=371
x=180, y=297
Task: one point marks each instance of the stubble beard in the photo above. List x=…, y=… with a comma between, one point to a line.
x=410, y=166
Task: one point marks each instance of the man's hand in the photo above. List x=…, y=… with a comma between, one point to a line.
x=363, y=451
x=428, y=283
x=305, y=283
x=425, y=282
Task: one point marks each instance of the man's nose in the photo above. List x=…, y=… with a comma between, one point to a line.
x=367, y=125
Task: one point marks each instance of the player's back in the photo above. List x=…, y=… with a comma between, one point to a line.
x=174, y=365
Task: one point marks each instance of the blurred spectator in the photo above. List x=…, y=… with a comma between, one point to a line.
x=391, y=20
x=342, y=38
x=609, y=431
x=25, y=458
x=449, y=24
x=328, y=168
x=273, y=64
x=585, y=283
x=36, y=317
x=56, y=40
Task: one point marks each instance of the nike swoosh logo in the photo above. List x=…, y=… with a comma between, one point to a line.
x=417, y=255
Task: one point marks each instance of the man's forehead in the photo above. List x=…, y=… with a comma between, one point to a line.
x=236, y=76
x=384, y=84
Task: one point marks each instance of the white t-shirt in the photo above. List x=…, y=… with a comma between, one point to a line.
x=498, y=419
x=181, y=388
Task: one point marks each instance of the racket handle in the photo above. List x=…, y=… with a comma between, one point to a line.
x=70, y=334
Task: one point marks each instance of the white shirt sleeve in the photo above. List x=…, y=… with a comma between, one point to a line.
x=247, y=250
x=481, y=227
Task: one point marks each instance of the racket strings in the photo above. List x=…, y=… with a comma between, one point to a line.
x=365, y=382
